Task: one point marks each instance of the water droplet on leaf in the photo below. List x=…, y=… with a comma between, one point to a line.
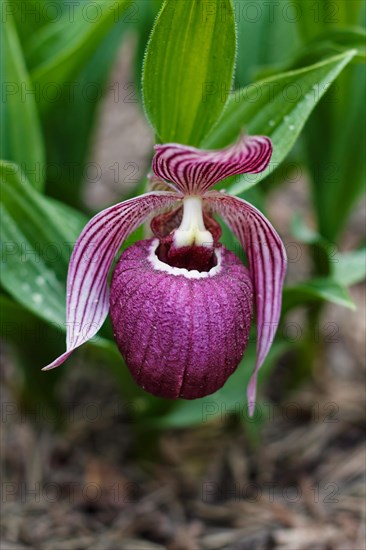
x=37, y=298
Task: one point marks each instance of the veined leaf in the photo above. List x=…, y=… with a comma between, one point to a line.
x=304, y=233
x=336, y=139
x=149, y=12
x=21, y=138
x=337, y=170
x=188, y=68
x=317, y=16
x=60, y=49
x=267, y=33
x=30, y=16
x=37, y=237
x=346, y=268
x=277, y=107
x=345, y=38
x=330, y=43
x=315, y=290
x=68, y=158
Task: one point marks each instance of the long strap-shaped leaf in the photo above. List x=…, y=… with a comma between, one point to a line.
x=188, y=68
x=21, y=139
x=60, y=49
x=276, y=107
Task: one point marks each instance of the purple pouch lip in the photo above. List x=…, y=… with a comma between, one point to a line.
x=181, y=332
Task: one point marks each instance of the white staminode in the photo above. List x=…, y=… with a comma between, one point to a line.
x=192, y=228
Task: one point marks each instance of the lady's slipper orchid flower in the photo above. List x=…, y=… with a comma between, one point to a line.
x=180, y=303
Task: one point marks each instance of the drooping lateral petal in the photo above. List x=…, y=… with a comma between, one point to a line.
x=194, y=171
x=267, y=266
x=91, y=260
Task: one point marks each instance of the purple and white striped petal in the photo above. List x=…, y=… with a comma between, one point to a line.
x=267, y=266
x=194, y=171
x=91, y=260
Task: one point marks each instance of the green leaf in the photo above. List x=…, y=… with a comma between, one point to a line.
x=314, y=18
x=302, y=232
x=68, y=158
x=346, y=268
x=28, y=17
x=267, y=33
x=330, y=43
x=316, y=290
x=60, y=49
x=277, y=107
x=337, y=170
x=188, y=68
x=350, y=267
x=37, y=237
x=337, y=40
x=33, y=342
x=68, y=125
x=149, y=12
x=21, y=138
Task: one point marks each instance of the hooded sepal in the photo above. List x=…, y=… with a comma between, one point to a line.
x=193, y=171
